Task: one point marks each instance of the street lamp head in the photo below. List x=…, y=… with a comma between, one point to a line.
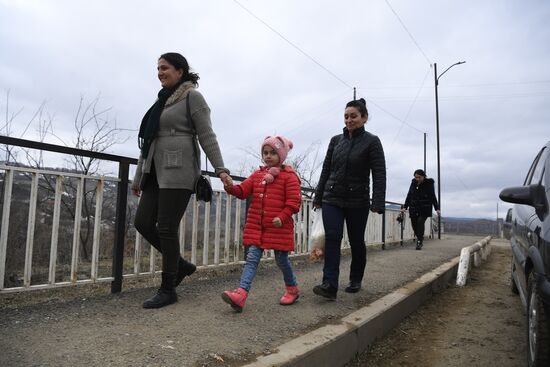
x=440, y=75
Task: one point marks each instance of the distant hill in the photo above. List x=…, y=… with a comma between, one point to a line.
x=478, y=226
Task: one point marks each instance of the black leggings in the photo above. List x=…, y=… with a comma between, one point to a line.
x=418, y=227
x=157, y=219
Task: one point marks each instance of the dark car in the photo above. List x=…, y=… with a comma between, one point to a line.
x=530, y=240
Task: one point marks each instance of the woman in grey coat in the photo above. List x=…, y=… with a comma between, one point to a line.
x=167, y=168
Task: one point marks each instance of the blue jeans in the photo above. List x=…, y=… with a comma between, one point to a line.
x=356, y=222
x=253, y=259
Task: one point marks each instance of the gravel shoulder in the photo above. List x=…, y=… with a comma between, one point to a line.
x=481, y=324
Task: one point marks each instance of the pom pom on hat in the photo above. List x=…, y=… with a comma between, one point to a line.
x=269, y=177
x=280, y=144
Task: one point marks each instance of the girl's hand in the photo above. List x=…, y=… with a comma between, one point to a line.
x=227, y=181
x=277, y=222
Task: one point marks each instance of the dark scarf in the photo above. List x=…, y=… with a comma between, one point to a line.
x=150, y=122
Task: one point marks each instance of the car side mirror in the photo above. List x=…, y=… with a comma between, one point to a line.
x=532, y=195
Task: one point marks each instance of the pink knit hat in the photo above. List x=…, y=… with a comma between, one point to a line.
x=281, y=145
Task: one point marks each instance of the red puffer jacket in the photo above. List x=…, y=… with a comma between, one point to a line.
x=281, y=198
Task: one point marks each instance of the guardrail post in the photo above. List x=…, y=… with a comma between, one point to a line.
x=120, y=224
x=384, y=230
x=402, y=226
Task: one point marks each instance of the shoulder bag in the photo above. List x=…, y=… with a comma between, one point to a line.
x=202, y=187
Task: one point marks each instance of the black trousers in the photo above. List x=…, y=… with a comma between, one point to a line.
x=418, y=227
x=157, y=219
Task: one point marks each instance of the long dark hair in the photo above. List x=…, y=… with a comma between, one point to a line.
x=179, y=62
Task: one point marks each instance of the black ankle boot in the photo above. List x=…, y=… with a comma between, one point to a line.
x=185, y=268
x=353, y=287
x=325, y=290
x=166, y=295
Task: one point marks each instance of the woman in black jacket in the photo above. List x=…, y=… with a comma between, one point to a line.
x=420, y=199
x=344, y=193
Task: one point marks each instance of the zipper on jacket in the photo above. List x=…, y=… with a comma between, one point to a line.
x=347, y=163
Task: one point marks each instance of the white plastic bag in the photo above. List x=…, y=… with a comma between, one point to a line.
x=316, y=243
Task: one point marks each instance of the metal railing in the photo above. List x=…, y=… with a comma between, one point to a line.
x=210, y=233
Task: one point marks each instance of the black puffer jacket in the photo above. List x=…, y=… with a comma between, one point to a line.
x=344, y=180
x=420, y=198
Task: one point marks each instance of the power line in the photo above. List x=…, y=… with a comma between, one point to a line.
x=458, y=178
x=369, y=100
x=496, y=84
x=293, y=45
x=409, y=33
x=411, y=106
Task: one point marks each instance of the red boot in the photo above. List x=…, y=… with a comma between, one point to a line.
x=290, y=296
x=236, y=299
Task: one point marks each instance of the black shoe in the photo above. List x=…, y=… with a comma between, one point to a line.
x=353, y=287
x=166, y=295
x=161, y=299
x=325, y=290
x=185, y=269
x=419, y=245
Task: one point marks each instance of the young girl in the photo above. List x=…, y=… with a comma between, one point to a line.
x=276, y=195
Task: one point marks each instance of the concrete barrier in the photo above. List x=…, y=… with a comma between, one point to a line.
x=480, y=250
x=336, y=344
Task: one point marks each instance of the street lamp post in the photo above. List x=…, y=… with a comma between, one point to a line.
x=436, y=78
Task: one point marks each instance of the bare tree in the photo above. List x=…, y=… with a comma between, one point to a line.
x=95, y=131
x=307, y=165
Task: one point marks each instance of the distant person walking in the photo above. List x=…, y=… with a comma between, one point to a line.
x=419, y=201
x=343, y=192
x=276, y=196
x=167, y=168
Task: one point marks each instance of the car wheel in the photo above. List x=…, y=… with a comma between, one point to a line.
x=513, y=285
x=538, y=334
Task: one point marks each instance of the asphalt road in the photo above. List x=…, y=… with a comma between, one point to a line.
x=90, y=327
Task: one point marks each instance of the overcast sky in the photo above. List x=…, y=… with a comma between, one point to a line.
x=494, y=109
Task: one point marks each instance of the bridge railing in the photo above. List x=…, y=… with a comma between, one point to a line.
x=51, y=236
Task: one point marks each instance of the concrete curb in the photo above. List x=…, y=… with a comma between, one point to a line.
x=336, y=344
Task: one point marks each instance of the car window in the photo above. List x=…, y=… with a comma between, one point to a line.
x=509, y=215
x=537, y=168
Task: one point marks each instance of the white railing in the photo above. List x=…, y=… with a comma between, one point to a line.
x=210, y=233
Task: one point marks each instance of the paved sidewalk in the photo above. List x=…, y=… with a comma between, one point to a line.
x=201, y=330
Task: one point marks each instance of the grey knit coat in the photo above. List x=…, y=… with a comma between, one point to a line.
x=172, y=149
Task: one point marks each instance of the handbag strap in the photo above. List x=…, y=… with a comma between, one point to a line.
x=195, y=136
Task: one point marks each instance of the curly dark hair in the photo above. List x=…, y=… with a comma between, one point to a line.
x=179, y=62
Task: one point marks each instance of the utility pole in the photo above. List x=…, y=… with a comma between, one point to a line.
x=354, y=94
x=436, y=79
x=424, y=152
x=438, y=161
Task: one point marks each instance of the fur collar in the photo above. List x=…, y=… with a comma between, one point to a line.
x=180, y=93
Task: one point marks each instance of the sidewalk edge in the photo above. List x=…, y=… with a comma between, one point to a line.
x=336, y=344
